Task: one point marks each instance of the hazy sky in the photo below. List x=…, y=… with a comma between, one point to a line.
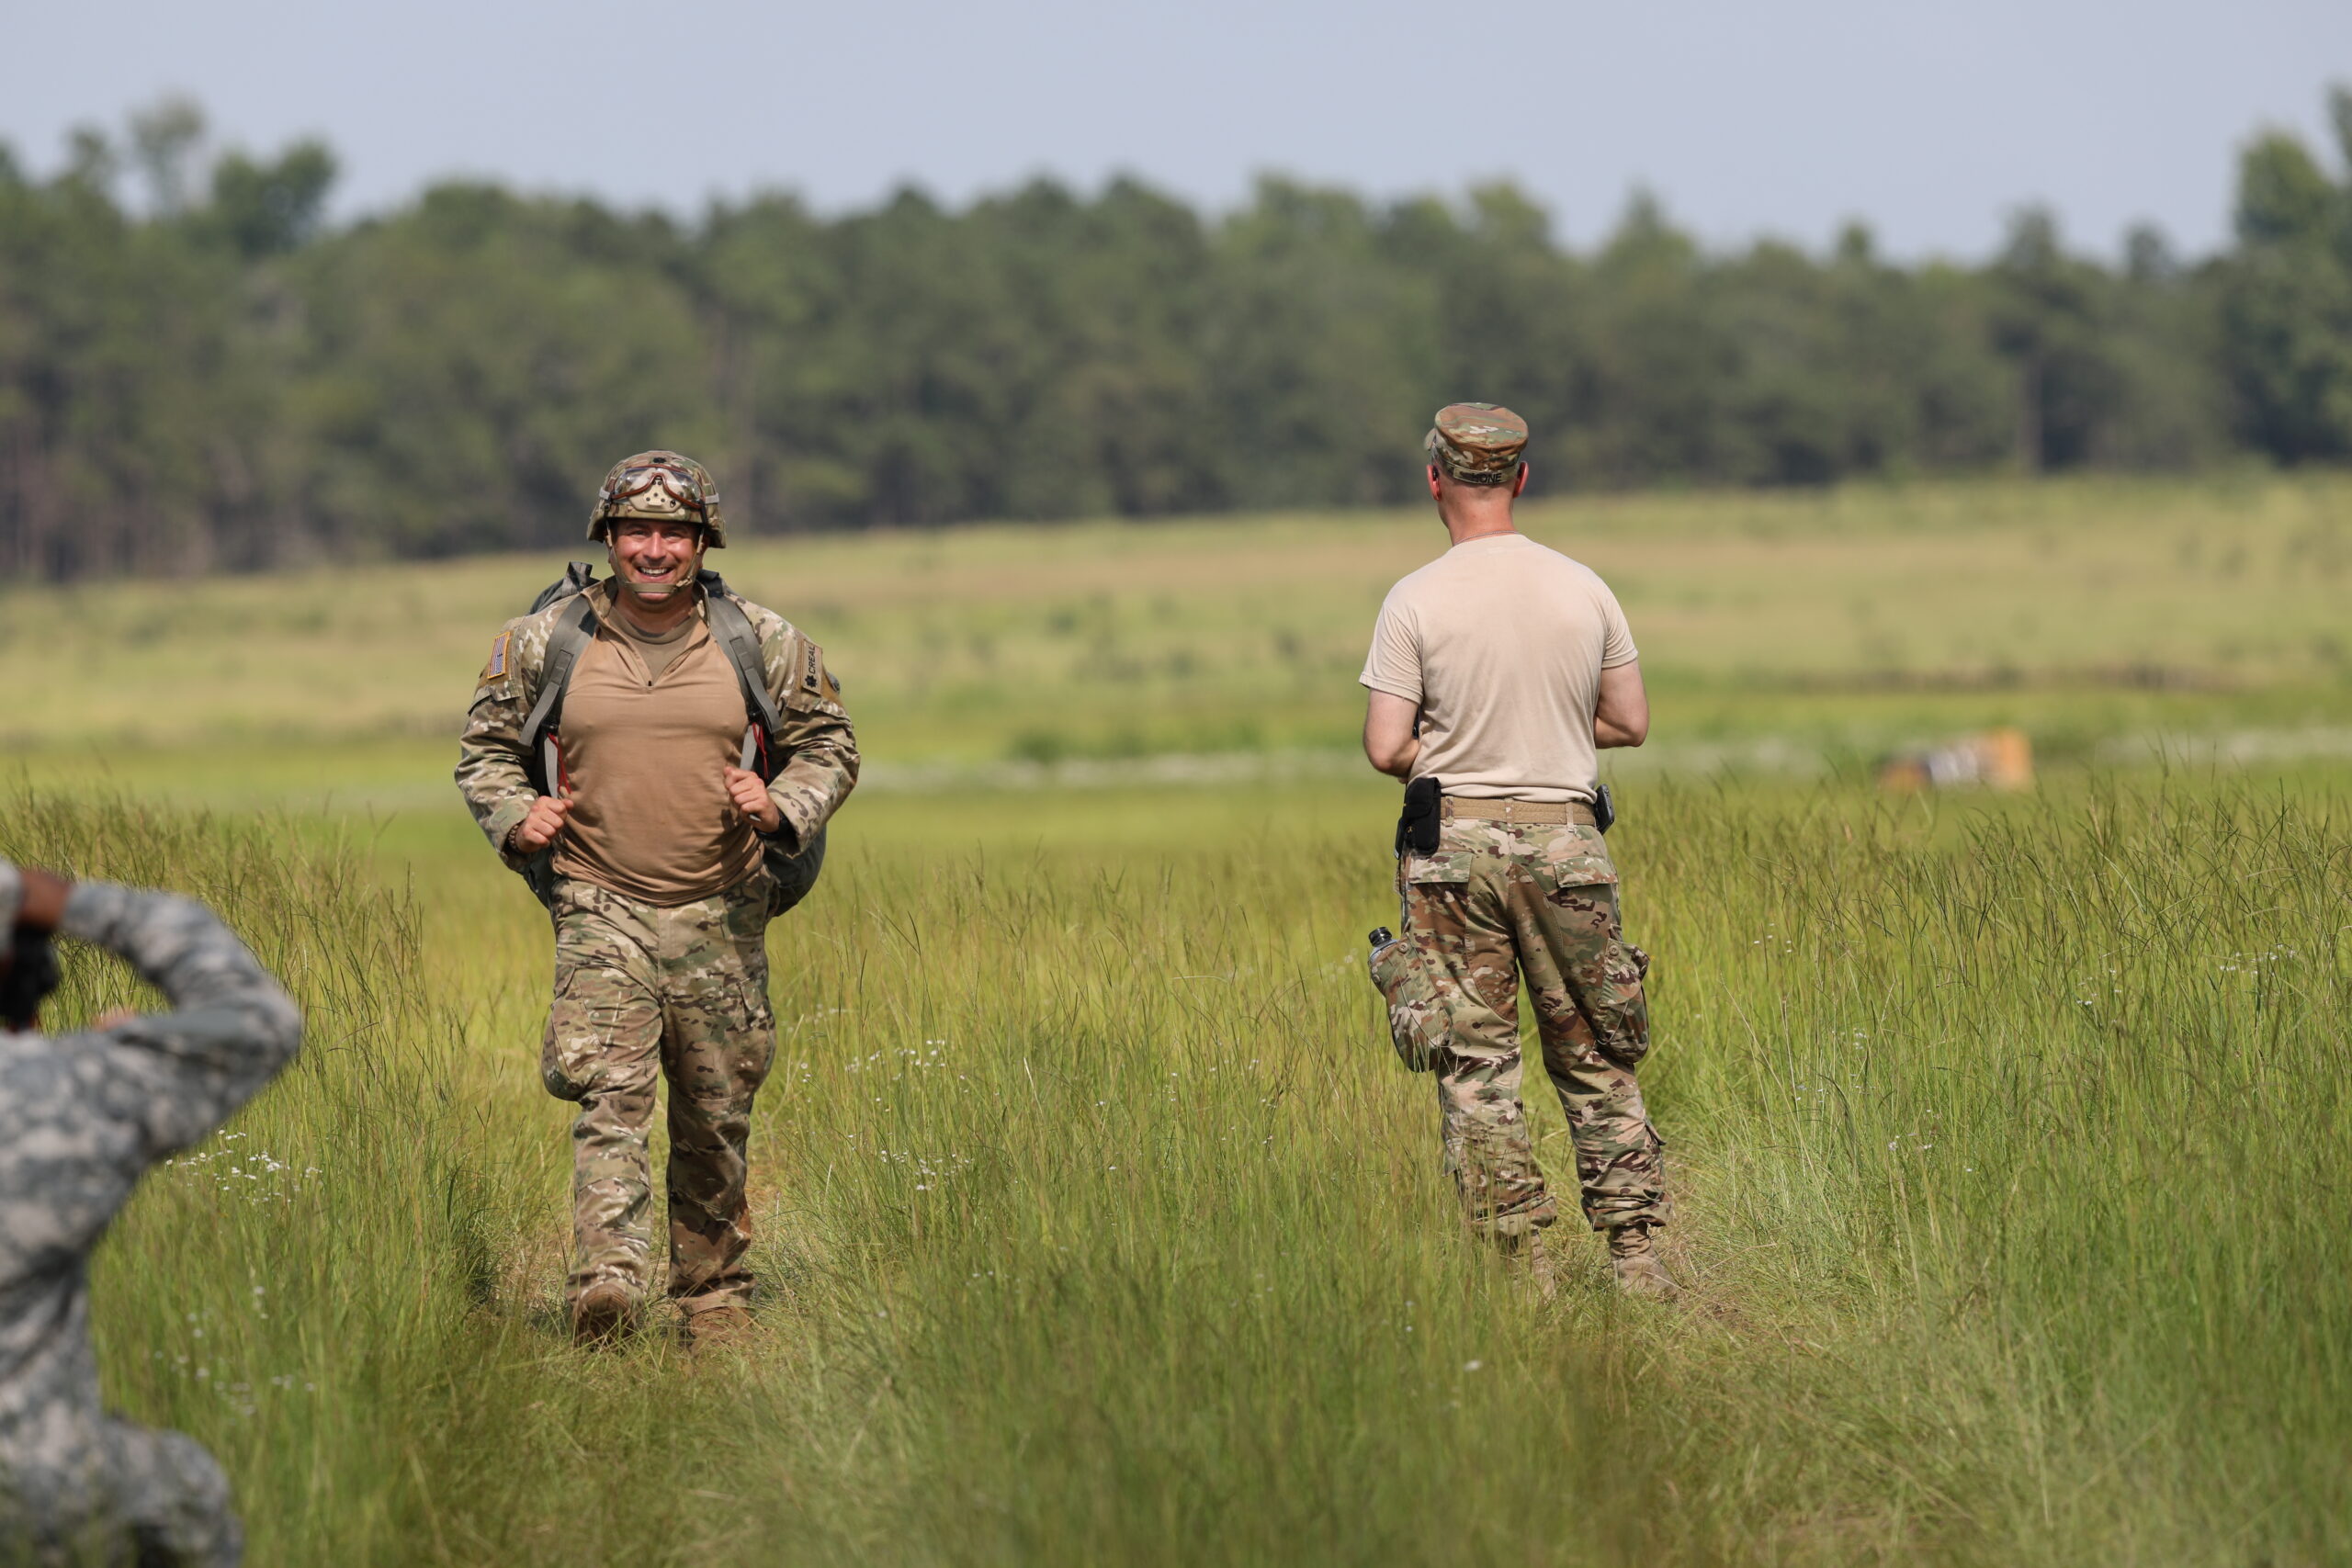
x=1932, y=121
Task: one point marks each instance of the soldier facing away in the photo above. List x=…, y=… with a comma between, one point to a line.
x=82, y=1117
x=1498, y=670
x=648, y=844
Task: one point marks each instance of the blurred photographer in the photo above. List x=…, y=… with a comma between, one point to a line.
x=82, y=1117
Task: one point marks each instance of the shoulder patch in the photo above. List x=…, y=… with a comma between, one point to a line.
x=498, y=646
x=808, y=673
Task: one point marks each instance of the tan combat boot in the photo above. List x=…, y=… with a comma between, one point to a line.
x=605, y=1315
x=1525, y=1257
x=716, y=1329
x=1632, y=1255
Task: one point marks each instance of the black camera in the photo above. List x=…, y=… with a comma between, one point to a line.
x=31, y=975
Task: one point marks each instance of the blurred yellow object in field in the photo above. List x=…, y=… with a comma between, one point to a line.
x=1998, y=759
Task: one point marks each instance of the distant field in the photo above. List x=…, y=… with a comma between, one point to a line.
x=1841, y=623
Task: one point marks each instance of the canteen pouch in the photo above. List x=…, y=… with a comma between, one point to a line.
x=1419, y=1025
x=1417, y=828
x=1618, y=1007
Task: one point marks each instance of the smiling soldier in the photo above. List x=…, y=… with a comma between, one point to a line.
x=610, y=756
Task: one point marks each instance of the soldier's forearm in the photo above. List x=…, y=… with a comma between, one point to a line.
x=807, y=802
x=812, y=786
x=225, y=1003
x=1398, y=764
x=1606, y=735
x=487, y=777
x=497, y=790
x=497, y=825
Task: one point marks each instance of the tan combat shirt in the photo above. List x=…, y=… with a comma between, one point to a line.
x=649, y=728
x=1501, y=642
x=819, y=752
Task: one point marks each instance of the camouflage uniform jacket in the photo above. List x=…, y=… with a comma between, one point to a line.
x=81, y=1116
x=819, y=771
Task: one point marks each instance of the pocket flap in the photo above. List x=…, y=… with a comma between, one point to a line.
x=1577, y=856
x=1446, y=865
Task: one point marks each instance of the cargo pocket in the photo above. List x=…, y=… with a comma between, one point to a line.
x=568, y=1057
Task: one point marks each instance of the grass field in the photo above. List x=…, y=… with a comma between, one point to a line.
x=1101, y=1226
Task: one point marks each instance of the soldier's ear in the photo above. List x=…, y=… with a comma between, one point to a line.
x=1519, y=485
x=1436, y=491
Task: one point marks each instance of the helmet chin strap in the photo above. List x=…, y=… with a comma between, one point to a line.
x=651, y=594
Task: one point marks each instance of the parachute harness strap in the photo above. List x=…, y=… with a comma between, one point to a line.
x=573, y=630
x=734, y=631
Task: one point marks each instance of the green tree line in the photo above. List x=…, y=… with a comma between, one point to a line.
x=198, y=372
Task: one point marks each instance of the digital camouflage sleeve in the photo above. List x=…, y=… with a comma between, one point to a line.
x=822, y=750
x=81, y=1116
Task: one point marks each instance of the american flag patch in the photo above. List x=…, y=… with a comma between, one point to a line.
x=497, y=665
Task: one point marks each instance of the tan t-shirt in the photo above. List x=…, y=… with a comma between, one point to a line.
x=1501, y=642
x=648, y=730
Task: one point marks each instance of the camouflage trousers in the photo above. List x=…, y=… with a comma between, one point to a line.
x=641, y=992
x=1495, y=901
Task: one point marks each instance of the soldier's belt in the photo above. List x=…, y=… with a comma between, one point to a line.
x=1545, y=813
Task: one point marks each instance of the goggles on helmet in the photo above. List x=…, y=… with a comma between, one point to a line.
x=629, y=483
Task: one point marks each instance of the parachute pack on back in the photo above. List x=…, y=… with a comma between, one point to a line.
x=794, y=869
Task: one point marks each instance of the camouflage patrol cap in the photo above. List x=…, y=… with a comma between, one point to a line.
x=1477, y=444
x=660, y=487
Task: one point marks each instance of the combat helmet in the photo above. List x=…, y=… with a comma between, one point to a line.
x=660, y=486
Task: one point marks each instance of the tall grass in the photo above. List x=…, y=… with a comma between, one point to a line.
x=1100, y=1226
x=250, y=1295
x=2054, y=1103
